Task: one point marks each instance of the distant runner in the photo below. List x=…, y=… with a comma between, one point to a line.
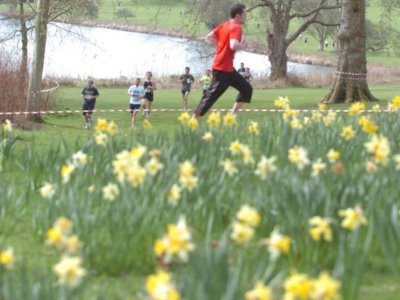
x=89, y=95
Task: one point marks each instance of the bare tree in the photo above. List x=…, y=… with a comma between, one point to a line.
x=35, y=81
x=46, y=11
x=328, y=27
x=17, y=11
x=281, y=13
x=351, y=83
x=211, y=12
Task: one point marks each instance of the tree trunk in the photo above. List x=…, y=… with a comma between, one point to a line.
x=277, y=57
x=35, y=82
x=321, y=45
x=351, y=83
x=24, y=41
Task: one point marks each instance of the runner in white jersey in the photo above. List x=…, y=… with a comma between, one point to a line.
x=137, y=93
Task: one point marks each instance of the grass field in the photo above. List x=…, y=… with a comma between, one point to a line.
x=112, y=271
x=116, y=98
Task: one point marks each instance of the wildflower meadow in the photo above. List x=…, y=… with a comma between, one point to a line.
x=293, y=207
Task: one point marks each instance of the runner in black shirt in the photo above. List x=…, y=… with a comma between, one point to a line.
x=149, y=86
x=186, y=79
x=89, y=95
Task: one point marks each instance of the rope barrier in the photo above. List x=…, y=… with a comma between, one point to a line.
x=351, y=76
x=252, y=110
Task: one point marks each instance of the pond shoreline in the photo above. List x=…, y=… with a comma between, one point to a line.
x=253, y=47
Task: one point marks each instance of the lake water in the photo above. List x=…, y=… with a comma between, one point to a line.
x=81, y=52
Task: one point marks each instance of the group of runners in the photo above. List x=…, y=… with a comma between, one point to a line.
x=227, y=37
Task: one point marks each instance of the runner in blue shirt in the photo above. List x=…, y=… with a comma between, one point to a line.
x=137, y=93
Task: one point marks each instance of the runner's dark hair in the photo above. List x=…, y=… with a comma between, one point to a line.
x=237, y=8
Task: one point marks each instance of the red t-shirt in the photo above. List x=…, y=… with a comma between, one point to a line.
x=225, y=32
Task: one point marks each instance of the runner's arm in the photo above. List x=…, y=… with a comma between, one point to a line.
x=235, y=45
x=211, y=37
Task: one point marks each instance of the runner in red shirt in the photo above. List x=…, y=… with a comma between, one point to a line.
x=227, y=37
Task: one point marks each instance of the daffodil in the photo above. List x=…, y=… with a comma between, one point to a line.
x=277, y=244
x=214, y=119
x=63, y=224
x=69, y=271
x=333, y=155
x=176, y=244
x=247, y=215
x=394, y=104
x=229, y=119
x=79, y=159
x=379, y=146
x=153, y=166
x=138, y=152
x=356, y=108
x=323, y=106
x=241, y=233
x=112, y=128
x=208, y=137
x=260, y=292
x=186, y=168
x=66, y=172
x=317, y=167
x=246, y=154
x=188, y=182
x=174, y=194
x=352, y=218
x=376, y=108
x=160, y=287
x=229, y=167
x=235, y=147
x=92, y=189
x=48, y=190
x=282, y=102
x=110, y=191
x=184, y=118
x=316, y=116
x=72, y=244
x=297, y=286
x=367, y=125
x=290, y=114
x=296, y=124
x=266, y=166
x=100, y=138
x=253, y=128
x=320, y=228
x=136, y=174
x=329, y=118
x=55, y=237
x=298, y=156
x=326, y=288
x=193, y=124
x=146, y=124
x=101, y=125
x=7, y=258
x=7, y=126
x=348, y=132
